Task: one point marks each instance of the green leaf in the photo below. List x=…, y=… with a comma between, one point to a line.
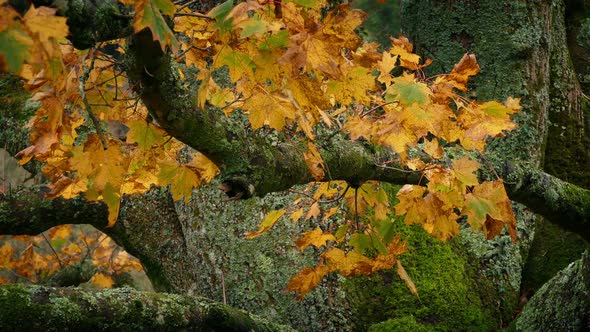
x=277, y=40
x=253, y=27
x=407, y=91
x=220, y=13
x=360, y=242
x=147, y=15
x=144, y=134
x=14, y=49
x=165, y=6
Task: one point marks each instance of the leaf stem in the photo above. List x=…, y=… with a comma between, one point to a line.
x=87, y=106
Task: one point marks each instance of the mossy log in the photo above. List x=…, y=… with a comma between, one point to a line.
x=37, y=308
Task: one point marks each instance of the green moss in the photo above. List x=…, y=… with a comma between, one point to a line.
x=15, y=111
x=104, y=27
x=552, y=250
x=562, y=304
x=252, y=274
x=449, y=299
x=403, y=324
x=504, y=38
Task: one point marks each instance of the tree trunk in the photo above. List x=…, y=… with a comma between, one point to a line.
x=523, y=48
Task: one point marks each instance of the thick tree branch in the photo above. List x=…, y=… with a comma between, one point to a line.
x=117, y=310
x=563, y=203
x=148, y=228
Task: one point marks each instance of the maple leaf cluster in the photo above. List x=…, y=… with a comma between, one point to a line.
x=294, y=68
x=37, y=258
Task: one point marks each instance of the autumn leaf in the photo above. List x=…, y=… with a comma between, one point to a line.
x=317, y=238
x=385, y=66
x=353, y=86
x=464, y=169
x=401, y=272
x=407, y=91
x=266, y=224
x=295, y=216
x=488, y=208
x=102, y=280
x=181, y=178
x=314, y=162
x=15, y=43
x=239, y=63
x=148, y=14
x=307, y=279
x=404, y=50
x=462, y=71
x=45, y=24
x=145, y=134
x=269, y=109
x=489, y=119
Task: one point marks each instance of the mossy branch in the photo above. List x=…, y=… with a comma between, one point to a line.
x=120, y=309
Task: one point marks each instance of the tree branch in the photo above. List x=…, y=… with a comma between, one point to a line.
x=148, y=228
x=118, y=309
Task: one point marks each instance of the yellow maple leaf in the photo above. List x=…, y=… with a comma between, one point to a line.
x=407, y=91
x=404, y=49
x=270, y=109
x=480, y=121
x=385, y=66
x=45, y=24
x=317, y=238
x=239, y=63
x=352, y=86
x=295, y=216
x=181, y=178
x=314, y=162
x=487, y=207
x=464, y=170
x=271, y=218
x=102, y=280
x=307, y=279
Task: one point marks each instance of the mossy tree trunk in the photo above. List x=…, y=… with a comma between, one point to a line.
x=534, y=50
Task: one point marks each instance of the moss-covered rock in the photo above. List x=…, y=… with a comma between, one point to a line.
x=562, y=304
x=452, y=296
x=552, y=250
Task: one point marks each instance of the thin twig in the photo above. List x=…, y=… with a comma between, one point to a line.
x=407, y=170
x=186, y=5
x=53, y=250
x=83, y=80
x=489, y=165
x=223, y=287
x=194, y=15
x=363, y=114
